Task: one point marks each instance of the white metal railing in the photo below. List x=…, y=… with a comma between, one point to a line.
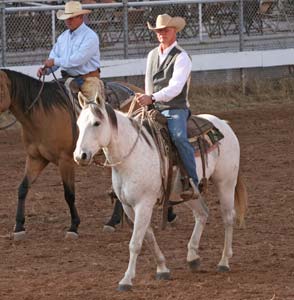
x=28, y=32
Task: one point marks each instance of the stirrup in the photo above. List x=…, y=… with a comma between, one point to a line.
x=191, y=193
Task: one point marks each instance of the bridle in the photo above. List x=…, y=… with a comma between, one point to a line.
x=142, y=111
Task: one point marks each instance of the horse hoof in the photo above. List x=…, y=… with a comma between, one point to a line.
x=124, y=287
x=19, y=236
x=108, y=228
x=163, y=276
x=70, y=235
x=194, y=265
x=223, y=269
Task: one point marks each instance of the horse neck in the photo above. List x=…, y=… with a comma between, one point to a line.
x=17, y=101
x=121, y=147
x=22, y=117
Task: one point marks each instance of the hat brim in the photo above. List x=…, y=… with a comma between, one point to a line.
x=176, y=22
x=61, y=15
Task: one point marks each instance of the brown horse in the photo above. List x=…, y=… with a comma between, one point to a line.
x=49, y=133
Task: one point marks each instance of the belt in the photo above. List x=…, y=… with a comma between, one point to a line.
x=95, y=73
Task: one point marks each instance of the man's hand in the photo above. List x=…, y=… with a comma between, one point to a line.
x=47, y=64
x=41, y=71
x=143, y=99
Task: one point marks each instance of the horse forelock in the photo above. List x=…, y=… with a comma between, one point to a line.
x=98, y=111
x=95, y=109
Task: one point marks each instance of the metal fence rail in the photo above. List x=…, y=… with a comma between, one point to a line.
x=28, y=32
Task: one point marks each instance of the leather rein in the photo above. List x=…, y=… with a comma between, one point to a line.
x=41, y=90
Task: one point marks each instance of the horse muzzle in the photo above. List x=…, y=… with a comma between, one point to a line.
x=83, y=158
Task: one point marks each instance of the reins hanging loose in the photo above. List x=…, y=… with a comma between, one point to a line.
x=42, y=87
x=38, y=95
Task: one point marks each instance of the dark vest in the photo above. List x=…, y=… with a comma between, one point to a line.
x=160, y=76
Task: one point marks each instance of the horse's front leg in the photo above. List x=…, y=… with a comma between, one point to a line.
x=67, y=172
x=141, y=217
x=162, y=272
x=32, y=170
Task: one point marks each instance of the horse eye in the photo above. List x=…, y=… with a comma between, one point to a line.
x=96, y=124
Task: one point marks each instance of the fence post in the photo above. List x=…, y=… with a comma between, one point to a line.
x=125, y=28
x=200, y=21
x=241, y=44
x=53, y=27
x=241, y=25
x=3, y=33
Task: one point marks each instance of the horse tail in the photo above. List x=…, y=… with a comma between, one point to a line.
x=241, y=200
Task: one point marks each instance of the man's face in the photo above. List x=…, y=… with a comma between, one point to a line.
x=166, y=35
x=74, y=23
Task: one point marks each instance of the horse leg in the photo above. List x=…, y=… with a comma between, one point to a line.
x=226, y=193
x=115, y=218
x=200, y=212
x=32, y=170
x=141, y=217
x=162, y=272
x=67, y=172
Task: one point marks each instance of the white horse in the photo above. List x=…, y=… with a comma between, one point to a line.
x=136, y=179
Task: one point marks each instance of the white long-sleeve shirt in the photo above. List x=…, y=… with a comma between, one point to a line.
x=181, y=73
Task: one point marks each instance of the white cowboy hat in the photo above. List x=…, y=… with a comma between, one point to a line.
x=165, y=20
x=71, y=9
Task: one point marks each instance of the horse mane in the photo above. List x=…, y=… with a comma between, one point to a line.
x=96, y=110
x=146, y=125
x=112, y=115
x=25, y=89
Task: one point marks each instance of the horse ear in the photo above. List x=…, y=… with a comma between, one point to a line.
x=5, y=100
x=100, y=100
x=100, y=94
x=82, y=99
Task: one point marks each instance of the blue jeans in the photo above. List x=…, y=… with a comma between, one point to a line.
x=177, y=126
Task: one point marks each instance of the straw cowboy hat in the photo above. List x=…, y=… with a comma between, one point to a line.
x=165, y=20
x=71, y=9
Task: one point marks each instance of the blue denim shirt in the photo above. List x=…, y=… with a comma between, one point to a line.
x=77, y=52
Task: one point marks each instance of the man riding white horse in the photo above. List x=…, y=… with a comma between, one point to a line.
x=166, y=87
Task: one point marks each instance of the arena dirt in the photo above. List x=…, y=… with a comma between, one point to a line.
x=48, y=267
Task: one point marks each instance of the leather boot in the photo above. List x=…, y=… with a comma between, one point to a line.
x=191, y=193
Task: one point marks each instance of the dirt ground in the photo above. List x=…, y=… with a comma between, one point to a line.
x=46, y=266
